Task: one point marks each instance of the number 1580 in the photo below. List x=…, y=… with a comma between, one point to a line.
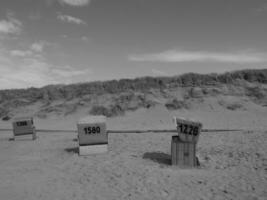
x=92, y=130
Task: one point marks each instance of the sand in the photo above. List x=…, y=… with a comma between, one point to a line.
x=233, y=165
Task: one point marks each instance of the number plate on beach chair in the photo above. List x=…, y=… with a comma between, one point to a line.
x=188, y=130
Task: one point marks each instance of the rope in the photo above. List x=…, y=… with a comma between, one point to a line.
x=134, y=131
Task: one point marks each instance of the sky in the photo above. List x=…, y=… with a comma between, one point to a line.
x=45, y=42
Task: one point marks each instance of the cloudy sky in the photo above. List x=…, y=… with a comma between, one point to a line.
x=66, y=41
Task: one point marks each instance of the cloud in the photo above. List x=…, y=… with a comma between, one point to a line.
x=159, y=72
x=75, y=2
x=27, y=70
x=38, y=46
x=70, y=19
x=64, y=36
x=20, y=53
x=33, y=50
x=174, y=56
x=11, y=25
x=68, y=72
x=262, y=8
x=85, y=39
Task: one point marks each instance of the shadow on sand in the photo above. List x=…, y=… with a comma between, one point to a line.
x=74, y=150
x=159, y=157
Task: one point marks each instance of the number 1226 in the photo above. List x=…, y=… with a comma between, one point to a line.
x=189, y=129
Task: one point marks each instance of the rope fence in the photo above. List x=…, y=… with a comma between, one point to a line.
x=133, y=131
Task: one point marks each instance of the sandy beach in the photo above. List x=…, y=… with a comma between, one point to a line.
x=138, y=166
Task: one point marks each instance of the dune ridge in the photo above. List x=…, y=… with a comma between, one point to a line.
x=231, y=91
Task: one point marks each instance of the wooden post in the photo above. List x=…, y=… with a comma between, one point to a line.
x=92, y=135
